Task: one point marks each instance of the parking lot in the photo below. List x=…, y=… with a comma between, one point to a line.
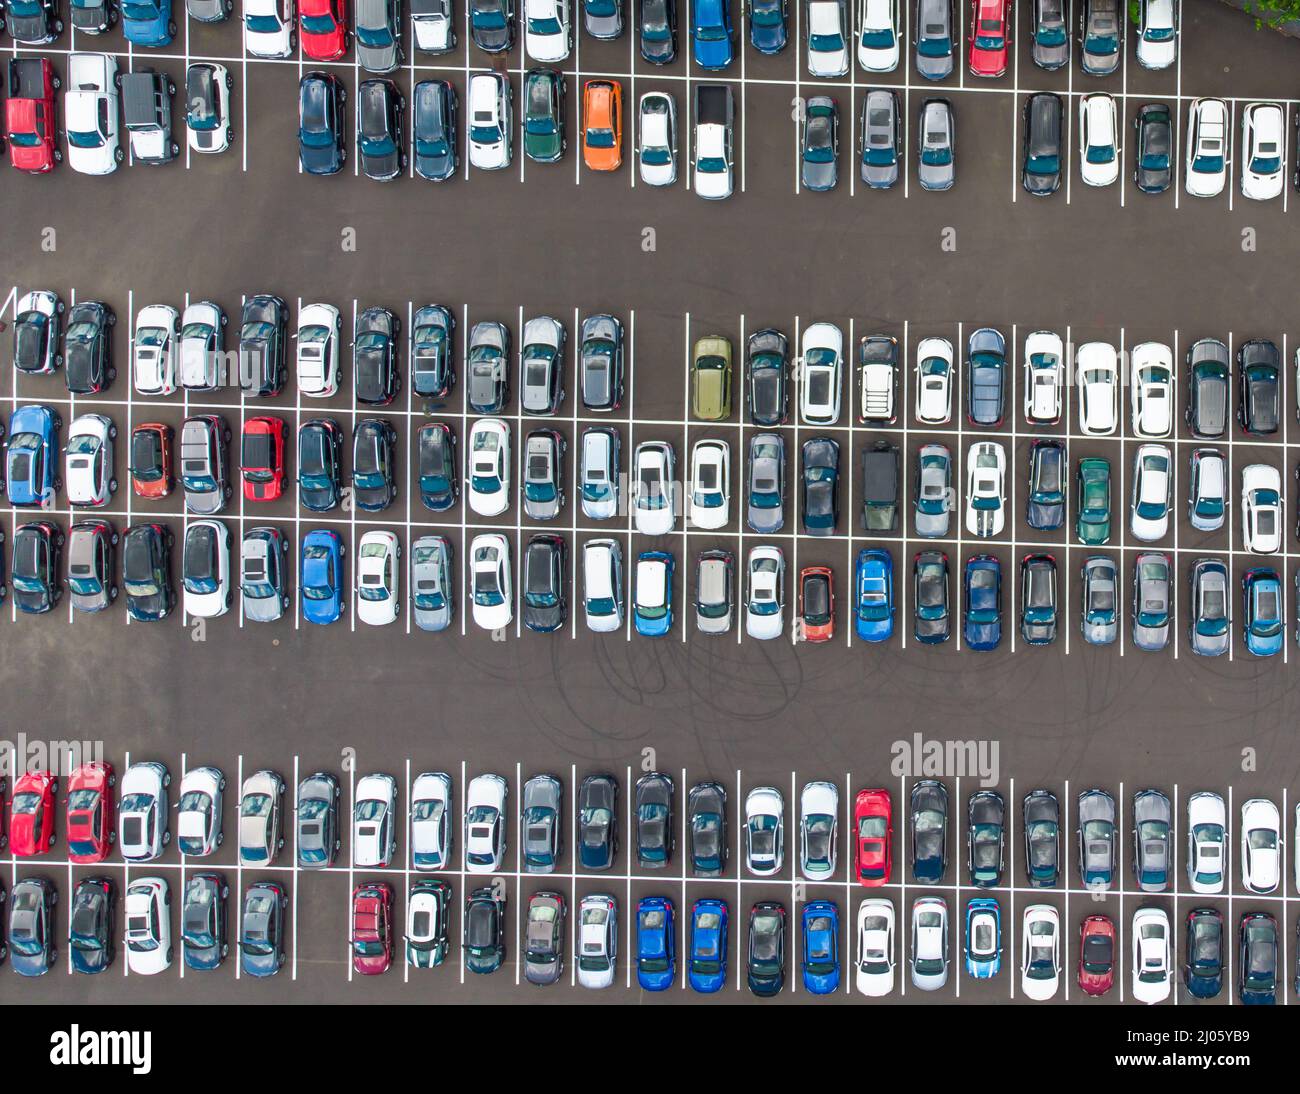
x=1111, y=265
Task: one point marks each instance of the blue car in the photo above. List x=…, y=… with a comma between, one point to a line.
x=767, y=23
x=708, y=969
x=983, y=938
x=656, y=942
x=711, y=34
x=1262, y=608
x=652, y=609
x=874, y=595
x=322, y=576
x=821, y=947
x=148, y=23
x=982, y=595
x=32, y=456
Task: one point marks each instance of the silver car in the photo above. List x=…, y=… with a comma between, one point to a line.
x=544, y=474
x=209, y=11
x=713, y=592
x=935, y=42
x=1207, y=500
x=541, y=367
x=317, y=817
x=90, y=565
x=1152, y=604
x=1096, y=812
x=764, y=508
x=936, y=165
x=1151, y=850
x=261, y=818
x=543, y=832
x=1209, y=628
x=934, y=493
x=882, y=139
x=378, y=37
x=1100, y=619
x=432, y=587
x=599, y=474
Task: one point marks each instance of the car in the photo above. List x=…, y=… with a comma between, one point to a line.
x=1044, y=372
x=1208, y=386
x=541, y=365
x=1261, y=509
x=1208, y=148
x=657, y=23
x=88, y=348
x=929, y=953
x=205, y=564
x=1203, y=967
x=490, y=123
x=990, y=36
x=711, y=34
x=430, y=820
x=1258, y=400
x=375, y=369
x=934, y=376
x=486, y=824
x=1152, y=493
x=597, y=835
x=652, y=604
x=928, y=813
x=491, y=581
x=1152, y=389
x=654, y=831
x=873, y=583
x=828, y=51
x=1152, y=955
x=873, y=974
x=146, y=572
x=820, y=964
x=985, y=837
x=261, y=929
x=147, y=921
x=656, y=944
x=931, y=619
x=36, y=572
x=821, y=363
x=1045, y=505
x=878, y=39
x=767, y=352
x=263, y=581
x=602, y=125
x=654, y=488
x=986, y=492
x=983, y=938
x=711, y=378
x=198, y=820
x=1263, y=151
x=986, y=367
x=601, y=363
x=201, y=350
x=1257, y=960
x=1157, y=44
x=1096, y=969
x=427, y=909
x=1151, y=840
x=436, y=466
x=323, y=29
x=38, y=318
x=764, y=607
x=88, y=461
x=261, y=460
x=543, y=839
x=1043, y=125
x=765, y=960
x=433, y=329
x=874, y=834
x=90, y=574
x=90, y=114
x=707, y=964
x=263, y=341
x=1099, y=152
x=30, y=118
x=1207, y=836
x=1101, y=32
x=1038, y=599
x=1152, y=157
x=936, y=152
x=1261, y=840
x=657, y=132
x=600, y=473
x=543, y=486
x=1099, y=617
x=91, y=925
x=544, y=938
x=374, y=822
x=602, y=574
x=317, y=836
x=1096, y=816
x=487, y=367
x=1097, y=366
x=1040, y=961
x=155, y=348
x=709, y=484
x=1042, y=820
x=90, y=820
x=820, y=480
x=1049, y=34
x=878, y=379
x=207, y=113
x=377, y=573
x=434, y=128
x=820, y=148
x=489, y=466
x=320, y=465
x=432, y=588
x=31, y=813
x=597, y=940
x=371, y=939
x=816, y=604
x=1262, y=610
x=321, y=576
x=31, y=926
x=492, y=25
x=818, y=830
x=935, y=42
x=713, y=591
x=378, y=35
x=546, y=29
x=483, y=931
x=765, y=509
x=269, y=28
x=143, y=812
x=982, y=602
x=764, y=831
x=706, y=815
x=380, y=140
x=322, y=143
x=261, y=818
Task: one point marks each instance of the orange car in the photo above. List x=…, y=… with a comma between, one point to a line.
x=602, y=130
x=817, y=603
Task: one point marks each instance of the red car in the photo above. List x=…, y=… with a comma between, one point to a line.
x=31, y=813
x=262, y=458
x=29, y=115
x=92, y=815
x=1096, y=955
x=151, y=460
x=372, y=931
x=990, y=35
x=873, y=827
x=324, y=26
x=817, y=603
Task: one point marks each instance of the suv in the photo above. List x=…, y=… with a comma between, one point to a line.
x=1209, y=370
x=602, y=581
x=1258, y=376
x=713, y=592
x=205, y=472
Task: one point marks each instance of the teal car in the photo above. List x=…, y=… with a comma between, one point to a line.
x=1092, y=525
x=544, y=140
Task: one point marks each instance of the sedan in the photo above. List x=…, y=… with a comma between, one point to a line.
x=90, y=820
x=31, y=926
x=489, y=466
x=820, y=922
x=656, y=944
x=1096, y=973
x=655, y=833
x=820, y=150
x=322, y=147
x=36, y=569
x=1152, y=493
x=929, y=956
x=597, y=806
x=986, y=492
x=1257, y=959
x=320, y=330
x=934, y=376
x=1045, y=506
x=819, y=804
x=1152, y=158
x=483, y=931
x=928, y=812
x=433, y=330
x=199, y=812
x=1099, y=619
x=983, y=938
x=487, y=368
x=765, y=962
x=88, y=348
x=1261, y=841
x=934, y=493
x=706, y=816
x=1040, y=954
x=1207, y=836
x=821, y=470
x=764, y=831
x=654, y=488
x=261, y=930
x=431, y=822
x=155, y=348
x=433, y=597
x=982, y=602
x=1152, y=955
x=263, y=581
x=375, y=371
x=597, y=940
x=147, y=919
x=1042, y=819
x=486, y=823
x=764, y=511
x=317, y=839
x=1151, y=840
x=491, y=582
x=1096, y=813
x=90, y=554
x=1038, y=599
x=764, y=617
x=936, y=167
x=91, y=925
x=544, y=938
x=986, y=836
x=931, y=620
x=436, y=466
x=321, y=576
x=707, y=968
x=377, y=571
x=1044, y=377
x=874, y=961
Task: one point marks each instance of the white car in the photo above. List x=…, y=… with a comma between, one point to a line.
x=268, y=28
x=1152, y=493
x=819, y=811
x=1097, y=366
x=207, y=119
x=1040, y=952
x=828, y=49
x=147, y=933
x=431, y=835
x=929, y=957
x=143, y=814
x=820, y=365
x=986, y=489
x=1098, y=140
x=657, y=128
x=1208, y=154
x=377, y=577
x=1152, y=389
x=261, y=818
x=90, y=114
x=491, y=588
x=1207, y=842
x=878, y=42
x=88, y=461
x=597, y=940
x=431, y=25
x=653, y=488
x=546, y=29
x=200, y=349
x=873, y=970
x=198, y=816
x=374, y=821
x=320, y=330
x=933, y=381
x=1261, y=845
x=485, y=824
x=489, y=467
x=764, y=608
x=764, y=831
x=1261, y=509
x=155, y=346
x=1157, y=43
x=206, y=579
x=710, y=484
x=1263, y=151
x=1152, y=955
x=1044, y=377
x=602, y=585
x=489, y=125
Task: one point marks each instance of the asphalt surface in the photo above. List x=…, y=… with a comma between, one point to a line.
x=1109, y=264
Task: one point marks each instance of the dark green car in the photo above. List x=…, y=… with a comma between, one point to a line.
x=544, y=116
x=1093, y=524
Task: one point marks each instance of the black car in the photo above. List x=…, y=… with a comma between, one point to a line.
x=655, y=834
x=484, y=937
x=765, y=963
x=93, y=16
x=37, y=339
x=321, y=147
x=1209, y=369
x=1152, y=163
x=931, y=616
x=31, y=926
x=203, y=113
x=1042, y=144
x=374, y=482
x=1258, y=374
x=597, y=822
x=88, y=348
x=986, y=813
x=821, y=496
x=657, y=22
x=146, y=572
x=543, y=593
x=706, y=814
x=487, y=367
x=492, y=25
x=320, y=451
x=436, y=448
x=91, y=937
x=1257, y=959
x=433, y=130
x=1042, y=816
x=35, y=571
x=1203, y=965
x=1045, y=507
x=33, y=22
x=433, y=336
x=928, y=812
x=374, y=357
x=263, y=345
x=1038, y=599
x=379, y=129
x=768, y=354
x=601, y=359
x=203, y=921
x=261, y=931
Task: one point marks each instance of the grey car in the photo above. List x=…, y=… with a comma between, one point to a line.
x=379, y=41
x=540, y=816
x=1101, y=32
x=1151, y=851
x=713, y=592
x=544, y=939
x=205, y=439
x=706, y=811
x=602, y=362
x=262, y=582
x=1100, y=619
x=935, y=44
x=432, y=587
x=544, y=474
x=819, y=158
x=765, y=510
x=1051, y=34
x=936, y=165
x=934, y=493
x=1096, y=813
x=316, y=817
x=90, y=565
x=541, y=366
x=1042, y=818
x=1043, y=125
x=487, y=364
x=655, y=835
x=603, y=20
x=1208, y=631
x=882, y=139
x=209, y=11
x=1152, y=605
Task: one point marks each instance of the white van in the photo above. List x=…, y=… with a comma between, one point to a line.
x=602, y=582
